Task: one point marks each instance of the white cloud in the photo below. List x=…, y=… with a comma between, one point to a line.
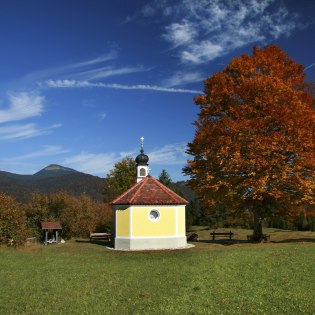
x=97, y=60
x=48, y=150
x=30, y=163
x=105, y=72
x=131, y=153
x=202, y=30
x=180, y=33
x=91, y=163
x=100, y=163
x=24, y=131
x=202, y=52
x=22, y=105
x=182, y=78
x=72, y=70
x=86, y=84
x=170, y=154
x=88, y=70
x=11, y=132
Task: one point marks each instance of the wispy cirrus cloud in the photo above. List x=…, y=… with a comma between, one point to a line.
x=89, y=67
x=30, y=163
x=24, y=131
x=170, y=154
x=92, y=163
x=100, y=163
x=179, y=34
x=203, y=30
x=87, y=84
x=112, y=54
x=182, y=78
x=89, y=70
x=47, y=150
x=22, y=105
x=106, y=72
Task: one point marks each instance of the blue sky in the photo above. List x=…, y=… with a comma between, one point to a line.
x=81, y=81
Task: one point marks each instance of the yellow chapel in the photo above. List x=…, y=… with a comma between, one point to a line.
x=149, y=215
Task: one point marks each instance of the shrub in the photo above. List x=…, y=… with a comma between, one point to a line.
x=12, y=221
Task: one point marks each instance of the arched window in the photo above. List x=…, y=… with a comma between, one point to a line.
x=142, y=172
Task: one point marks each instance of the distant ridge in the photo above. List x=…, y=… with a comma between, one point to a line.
x=52, y=179
x=56, y=178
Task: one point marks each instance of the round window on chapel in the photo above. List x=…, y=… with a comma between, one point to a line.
x=154, y=215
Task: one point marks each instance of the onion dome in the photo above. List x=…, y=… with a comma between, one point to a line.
x=142, y=159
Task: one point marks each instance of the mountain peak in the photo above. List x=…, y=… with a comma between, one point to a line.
x=54, y=170
x=56, y=167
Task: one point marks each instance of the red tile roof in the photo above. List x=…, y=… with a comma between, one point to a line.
x=51, y=225
x=149, y=191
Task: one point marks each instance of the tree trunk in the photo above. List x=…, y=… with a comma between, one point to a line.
x=258, y=232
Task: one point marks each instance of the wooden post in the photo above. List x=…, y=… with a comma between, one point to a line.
x=56, y=236
x=46, y=236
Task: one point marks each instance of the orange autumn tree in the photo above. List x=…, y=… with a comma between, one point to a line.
x=254, y=141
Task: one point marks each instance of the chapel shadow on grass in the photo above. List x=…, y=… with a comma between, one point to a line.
x=105, y=243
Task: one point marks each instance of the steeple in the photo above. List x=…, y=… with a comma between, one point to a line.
x=142, y=163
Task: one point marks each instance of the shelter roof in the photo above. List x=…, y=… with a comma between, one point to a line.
x=51, y=225
x=149, y=191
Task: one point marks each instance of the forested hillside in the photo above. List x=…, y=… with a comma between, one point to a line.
x=52, y=179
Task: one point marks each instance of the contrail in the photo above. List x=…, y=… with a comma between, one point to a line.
x=313, y=64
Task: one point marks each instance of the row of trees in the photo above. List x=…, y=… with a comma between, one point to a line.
x=224, y=217
x=78, y=216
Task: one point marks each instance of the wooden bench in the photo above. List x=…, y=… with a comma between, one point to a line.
x=105, y=236
x=214, y=234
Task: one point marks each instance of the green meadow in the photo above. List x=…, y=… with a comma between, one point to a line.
x=219, y=277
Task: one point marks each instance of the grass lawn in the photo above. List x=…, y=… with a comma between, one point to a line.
x=80, y=277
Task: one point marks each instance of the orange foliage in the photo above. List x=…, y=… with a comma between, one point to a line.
x=254, y=140
x=12, y=221
x=78, y=215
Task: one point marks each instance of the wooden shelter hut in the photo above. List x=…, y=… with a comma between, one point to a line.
x=52, y=227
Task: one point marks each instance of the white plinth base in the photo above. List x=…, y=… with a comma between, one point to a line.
x=150, y=243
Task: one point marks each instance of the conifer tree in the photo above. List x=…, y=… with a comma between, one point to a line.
x=165, y=178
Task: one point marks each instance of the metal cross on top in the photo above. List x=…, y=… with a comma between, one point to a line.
x=142, y=141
